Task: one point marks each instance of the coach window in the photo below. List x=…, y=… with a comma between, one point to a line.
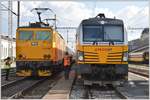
x=42, y=35
x=25, y=35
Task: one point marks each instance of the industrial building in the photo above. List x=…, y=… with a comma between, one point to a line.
x=141, y=42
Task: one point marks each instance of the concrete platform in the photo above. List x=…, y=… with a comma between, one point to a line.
x=62, y=89
x=135, y=90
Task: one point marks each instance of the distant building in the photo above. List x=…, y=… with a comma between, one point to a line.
x=145, y=33
x=5, y=47
x=141, y=42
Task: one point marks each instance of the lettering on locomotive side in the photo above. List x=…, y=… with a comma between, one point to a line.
x=103, y=49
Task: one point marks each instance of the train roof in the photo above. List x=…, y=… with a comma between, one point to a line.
x=101, y=17
x=97, y=21
x=36, y=25
x=39, y=25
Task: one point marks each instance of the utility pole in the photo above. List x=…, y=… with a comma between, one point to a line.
x=67, y=37
x=18, y=19
x=55, y=20
x=0, y=30
x=10, y=23
x=0, y=20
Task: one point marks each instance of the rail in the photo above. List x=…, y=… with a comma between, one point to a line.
x=120, y=94
x=139, y=72
x=38, y=89
x=10, y=89
x=102, y=92
x=95, y=91
x=23, y=91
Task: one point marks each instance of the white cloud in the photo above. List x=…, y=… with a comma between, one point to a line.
x=128, y=12
x=70, y=13
x=133, y=14
x=145, y=11
x=136, y=17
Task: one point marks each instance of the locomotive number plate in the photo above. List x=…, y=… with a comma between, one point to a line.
x=103, y=49
x=34, y=43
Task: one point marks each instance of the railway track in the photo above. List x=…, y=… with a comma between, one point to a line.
x=6, y=84
x=139, y=72
x=14, y=89
x=38, y=90
x=29, y=87
x=80, y=91
x=102, y=92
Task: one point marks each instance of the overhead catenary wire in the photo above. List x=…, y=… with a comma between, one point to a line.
x=136, y=22
x=133, y=17
x=136, y=18
x=8, y=9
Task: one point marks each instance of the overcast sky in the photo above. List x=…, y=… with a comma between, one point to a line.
x=71, y=13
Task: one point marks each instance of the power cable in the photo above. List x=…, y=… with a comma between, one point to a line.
x=8, y=9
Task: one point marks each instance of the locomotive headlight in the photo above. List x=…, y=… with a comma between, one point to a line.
x=48, y=56
x=54, y=45
x=125, y=56
x=80, y=56
x=20, y=56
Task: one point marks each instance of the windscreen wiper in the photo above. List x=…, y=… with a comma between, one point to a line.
x=96, y=40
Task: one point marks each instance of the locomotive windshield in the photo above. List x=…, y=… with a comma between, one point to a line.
x=92, y=33
x=103, y=33
x=42, y=35
x=25, y=35
x=113, y=33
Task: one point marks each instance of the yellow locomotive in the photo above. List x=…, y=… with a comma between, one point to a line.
x=39, y=50
x=102, y=49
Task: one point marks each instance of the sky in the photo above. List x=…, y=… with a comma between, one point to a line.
x=71, y=13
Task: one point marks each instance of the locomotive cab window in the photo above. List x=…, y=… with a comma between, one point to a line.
x=113, y=33
x=92, y=33
x=42, y=35
x=25, y=35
